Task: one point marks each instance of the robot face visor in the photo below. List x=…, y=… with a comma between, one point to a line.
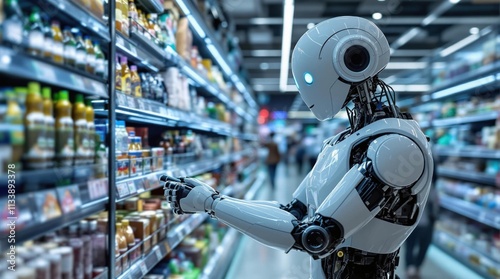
x=356, y=58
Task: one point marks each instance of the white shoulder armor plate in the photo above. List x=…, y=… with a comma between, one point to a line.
x=396, y=160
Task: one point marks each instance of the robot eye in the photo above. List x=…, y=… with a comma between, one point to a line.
x=356, y=58
x=308, y=78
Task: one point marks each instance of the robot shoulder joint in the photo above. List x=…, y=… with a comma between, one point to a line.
x=397, y=160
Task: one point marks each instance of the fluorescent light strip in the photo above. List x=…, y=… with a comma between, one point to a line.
x=462, y=87
x=197, y=26
x=194, y=76
x=458, y=45
x=222, y=62
x=405, y=38
x=286, y=43
x=406, y=65
x=183, y=7
x=410, y=87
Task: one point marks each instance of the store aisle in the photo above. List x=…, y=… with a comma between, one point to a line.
x=254, y=260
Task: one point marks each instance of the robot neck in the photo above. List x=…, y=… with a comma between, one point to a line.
x=370, y=105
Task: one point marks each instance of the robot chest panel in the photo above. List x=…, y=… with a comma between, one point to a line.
x=331, y=166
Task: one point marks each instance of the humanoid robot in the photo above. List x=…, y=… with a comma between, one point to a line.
x=366, y=192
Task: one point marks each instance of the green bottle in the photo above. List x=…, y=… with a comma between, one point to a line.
x=69, y=48
x=35, y=29
x=65, y=144
x=100, y=60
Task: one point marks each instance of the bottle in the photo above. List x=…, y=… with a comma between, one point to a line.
x=80, y=130
x=145, y=86
x=90, y=61
x=122, y=243
x=48, y=42
x=64, y=131
x=87, y=249
x=89, y=113
x=129, y=233
x=125, y=20
x=76, y=243
x=126, y=85
x=118, y=15
x=48, y=112
x=14, y=116
x=81, y=53
x=58, y=45
x=100, y=60
x=34, y=123
x=151, y=26
x=12, y=26
x=69, y=48
x=133, y=15
x=118, y=75
x=35, y=35
x=98, y=245
x=135, y=82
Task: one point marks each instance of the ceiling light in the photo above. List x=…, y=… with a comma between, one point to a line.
x=264, y=66
x=377, y=16
x=454, y=1
x=381, y=0
x=286, y=43
x=458, y=45
x=310, y=25
x=474, y=30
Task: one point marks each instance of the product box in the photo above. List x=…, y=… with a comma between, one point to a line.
x=158, y=153
x=141, y=228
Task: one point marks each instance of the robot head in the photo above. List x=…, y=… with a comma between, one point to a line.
x=334, y=55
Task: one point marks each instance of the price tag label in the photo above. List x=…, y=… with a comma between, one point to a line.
x=158, y=253
x=167, y=247
x=131, y=102
x=133, y=50
x=144, y=268
x=120, y=41
x=163, y=110
x=141, y=104
x=131, y=187
x=122, y=189
x=44, y=72
x=121, y=99
x=76, y=81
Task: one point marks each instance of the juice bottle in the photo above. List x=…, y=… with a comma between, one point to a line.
x=118, y=15
x=81, y=53
x=80, y=130
x=48, y=42
x=90, y=58
x=135, y=82
x=35, y=35
x=122, y=243
x=48, y=112
x=100, y=64
x=65, y=144
x=69, y=48
x=129, y=233
x=34, y=124
x=125, y=20
x=14, y=116
x=89, y=113
x=12, y=26
x=57, y=46
x=118, y=75
x=126, y=84
x=133, y=15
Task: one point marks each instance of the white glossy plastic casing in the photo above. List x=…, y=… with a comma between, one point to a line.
x=318, y=67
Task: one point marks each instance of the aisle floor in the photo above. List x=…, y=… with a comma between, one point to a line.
x=254, y=260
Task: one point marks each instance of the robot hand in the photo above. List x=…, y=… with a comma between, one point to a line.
x=188, y=195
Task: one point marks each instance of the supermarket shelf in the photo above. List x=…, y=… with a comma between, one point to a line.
x=39, y=229
x=209, y=40
x=469, y=152
x=103, y=275
x=86, y=19
x=17, y=64
x=465, y=262
x=145, y=111
x=141, y=51
x=174, y=238
x=152, y=6
x=477, y=177
x=221, y=259
x=134, y=186
x=476, y=250
x=159, y=251
x=488, y=116
x=466, y=82
x=470, y=210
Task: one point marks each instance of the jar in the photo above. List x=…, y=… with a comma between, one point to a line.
x=55, y=265
x=66, y=254
x=42, y=268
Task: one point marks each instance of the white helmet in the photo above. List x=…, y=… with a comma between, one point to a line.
x=337, y=53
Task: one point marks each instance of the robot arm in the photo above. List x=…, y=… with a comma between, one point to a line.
x=392, y=162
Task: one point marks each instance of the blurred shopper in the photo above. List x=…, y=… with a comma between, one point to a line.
x=420, y=239
x=273, y=158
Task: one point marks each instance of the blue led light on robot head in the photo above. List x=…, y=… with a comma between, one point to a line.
x=308, y=78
